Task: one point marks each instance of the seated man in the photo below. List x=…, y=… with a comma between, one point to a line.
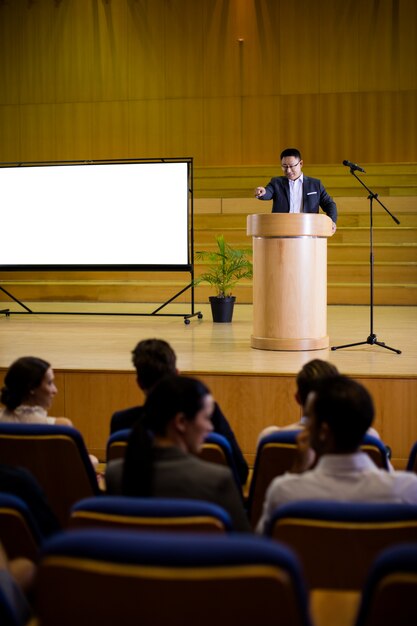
x=306, y=379
x=338, y=414
x=153, y=359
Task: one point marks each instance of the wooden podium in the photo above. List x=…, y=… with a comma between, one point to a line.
x=289, y=280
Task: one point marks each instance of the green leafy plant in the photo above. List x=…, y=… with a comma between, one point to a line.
x=227, y=266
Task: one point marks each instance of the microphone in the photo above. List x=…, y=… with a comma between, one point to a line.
x=353, y=166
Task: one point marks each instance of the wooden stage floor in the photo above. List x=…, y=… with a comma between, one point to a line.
x=254, y=387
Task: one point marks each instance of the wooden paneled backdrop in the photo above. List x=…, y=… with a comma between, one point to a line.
x=228, y=82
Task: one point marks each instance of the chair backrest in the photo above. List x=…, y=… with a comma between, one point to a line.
x=390, y=594
x=161, y=514
x=19, y=533
x=56, y=456
x=337, y=542
x=163, y=578
x=377, y=450
x=412, y=459
x=275, y=456
x=217, y=449
x=116, y=444
x=10, y=615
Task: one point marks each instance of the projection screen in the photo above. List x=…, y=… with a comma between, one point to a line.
x=110, y=215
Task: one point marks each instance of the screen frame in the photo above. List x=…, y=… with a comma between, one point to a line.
x=156, y=267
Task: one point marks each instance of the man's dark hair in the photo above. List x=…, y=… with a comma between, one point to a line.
x=153, y=359
x=347, y=407
x=310, y=374
x=291, y=152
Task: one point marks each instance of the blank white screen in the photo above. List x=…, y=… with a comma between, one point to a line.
x=94, y=214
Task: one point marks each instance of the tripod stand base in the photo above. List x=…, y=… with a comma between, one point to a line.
x=371, y=340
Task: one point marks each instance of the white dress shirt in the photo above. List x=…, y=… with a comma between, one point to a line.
x=296, y=195
x=341, y=477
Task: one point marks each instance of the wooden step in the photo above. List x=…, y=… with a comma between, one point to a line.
x=338, y=292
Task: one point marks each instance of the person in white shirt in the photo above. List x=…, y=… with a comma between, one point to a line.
x=296, y=193
x=338, y=414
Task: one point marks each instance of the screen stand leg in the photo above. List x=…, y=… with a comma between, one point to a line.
x=7, y=311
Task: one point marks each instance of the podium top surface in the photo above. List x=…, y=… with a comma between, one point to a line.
x=289, y=225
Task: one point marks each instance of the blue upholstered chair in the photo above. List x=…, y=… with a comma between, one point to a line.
x=57, y=458
x=217, y=449
x=337, y=542
x=390, y=593
x=412, y=459
x=116, y=444
x=167, y=514
x=275, y=456
x=9, y=612
x=19, y=533
x=135, y=578
x=377, y=450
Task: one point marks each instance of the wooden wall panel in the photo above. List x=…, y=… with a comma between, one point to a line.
x=74, y=130
x=110, y=52
x=146, y=129
x=222, y=118
x=299, y=51
x=9, y=133
x=37, y=53
x=338, y=41
x=110, y=130
x=406, y=63
x=75, y=44
x=339, y=80
x=37, y=139
x=184, y=127
x=145, y=34
x=9, y=53
x=262, y=139
x=184, y=76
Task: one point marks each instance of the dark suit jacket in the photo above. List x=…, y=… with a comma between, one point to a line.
x=128, y=417
x=314, y=196
x=181, y=475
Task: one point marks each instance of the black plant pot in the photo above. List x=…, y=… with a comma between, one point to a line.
x=222, y=308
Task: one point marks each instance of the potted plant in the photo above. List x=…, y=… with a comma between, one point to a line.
x=227, y=266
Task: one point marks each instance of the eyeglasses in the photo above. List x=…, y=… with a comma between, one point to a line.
x=290, y=167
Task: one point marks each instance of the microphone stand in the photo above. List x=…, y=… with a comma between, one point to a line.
x=372, y=338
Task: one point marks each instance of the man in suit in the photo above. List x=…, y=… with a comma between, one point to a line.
x=153, y=359
x=296, y=193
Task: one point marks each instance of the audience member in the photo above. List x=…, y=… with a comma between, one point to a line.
x=160, y=457
x=28, y=391
x=338, y=414
x=153, y=359
x=16, y=581
x=306, y=379
x=19, y=482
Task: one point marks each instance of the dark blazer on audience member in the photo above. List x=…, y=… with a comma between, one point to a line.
x=19, y=482
x=314, y=196
x=128, y=417
x=181, y=475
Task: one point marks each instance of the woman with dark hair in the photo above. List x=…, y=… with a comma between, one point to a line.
x=160, y=457
x=28, y=391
